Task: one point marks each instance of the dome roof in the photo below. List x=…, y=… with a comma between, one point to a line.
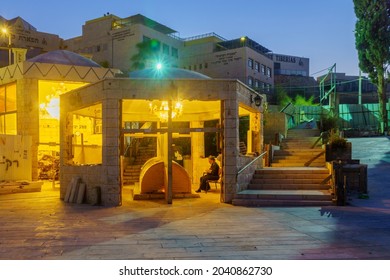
x=167, y=73
x=64, y=57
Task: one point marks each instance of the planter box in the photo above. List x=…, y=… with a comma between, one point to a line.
x=343, y=154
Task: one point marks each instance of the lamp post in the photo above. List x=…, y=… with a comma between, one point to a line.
x=6, y=32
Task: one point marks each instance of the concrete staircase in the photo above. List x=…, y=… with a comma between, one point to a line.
x=300, y=149
x=298, y=175
x=132, y=171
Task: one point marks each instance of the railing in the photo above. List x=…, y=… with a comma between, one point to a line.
x=212, y=34
x=249, y=164
x=321, y=137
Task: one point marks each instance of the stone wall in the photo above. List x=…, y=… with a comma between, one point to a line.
x=274, y=122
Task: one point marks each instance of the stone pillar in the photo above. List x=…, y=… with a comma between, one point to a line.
x=231, y=152
x=27, y=95
x=111, y=190
x=255, y=135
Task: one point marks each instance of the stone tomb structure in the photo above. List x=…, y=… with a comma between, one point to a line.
x=29, y=105
x=160, y=107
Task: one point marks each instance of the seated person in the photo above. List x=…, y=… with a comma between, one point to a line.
x=211, y=174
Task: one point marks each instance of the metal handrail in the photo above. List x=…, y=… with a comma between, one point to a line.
x=318, y=139
x=249, y=164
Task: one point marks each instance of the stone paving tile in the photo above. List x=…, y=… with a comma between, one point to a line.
x=41, y=226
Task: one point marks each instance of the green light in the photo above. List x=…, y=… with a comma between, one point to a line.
x=159, y=66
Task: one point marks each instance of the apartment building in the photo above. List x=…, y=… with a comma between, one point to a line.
x=243, y=59
x=112, y=41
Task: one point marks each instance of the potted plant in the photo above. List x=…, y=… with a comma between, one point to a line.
x=327, y=125
x=338, y=148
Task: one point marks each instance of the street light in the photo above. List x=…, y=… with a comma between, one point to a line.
x=5, y=31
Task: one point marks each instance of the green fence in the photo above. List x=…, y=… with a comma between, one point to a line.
x=358, y=117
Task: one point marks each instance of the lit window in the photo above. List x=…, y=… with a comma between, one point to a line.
x=86, y=145
x=8, y=109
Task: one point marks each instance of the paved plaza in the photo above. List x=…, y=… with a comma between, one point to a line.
x=41, y=226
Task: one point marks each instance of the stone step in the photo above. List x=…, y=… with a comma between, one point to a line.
x=276, y=186
x=291, y=176
x=292, y=170
x=303, y=164
x=296, y=147
x=301, y=161
x=291, y=133
x=279, y=181
x=280, y=203
x=284, y=197
x=300, y=151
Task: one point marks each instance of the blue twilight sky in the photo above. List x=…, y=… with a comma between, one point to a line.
x=320, y=30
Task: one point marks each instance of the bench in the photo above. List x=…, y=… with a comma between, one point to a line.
x=215, y=182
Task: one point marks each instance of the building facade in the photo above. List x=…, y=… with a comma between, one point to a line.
x=26, y=41
x=242, y=59
x=290, y=65
x=29, y=103
x=112, y=41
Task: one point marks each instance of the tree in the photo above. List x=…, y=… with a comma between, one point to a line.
x=148, y=52
x=372, y=39
x=282, y=98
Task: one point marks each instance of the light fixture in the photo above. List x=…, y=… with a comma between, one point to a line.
x=6, y=32
x=161, y=109
x=257, y=100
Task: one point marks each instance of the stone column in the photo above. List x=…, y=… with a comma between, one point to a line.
x=255, y=135
x=27, y=92
x=230, y=126
x=110, y=177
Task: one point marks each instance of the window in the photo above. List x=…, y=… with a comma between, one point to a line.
x=175, y=52
x=250, y=63
x=250, y=81
x=262, y=69
x=268, y=72
x=206, y=65
x=256, y=83
x=8, y=109
x=165, y=49
x=257, y=66
x=189, y=67
x=200, y=66
x=194, y=67
x=87, y=140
